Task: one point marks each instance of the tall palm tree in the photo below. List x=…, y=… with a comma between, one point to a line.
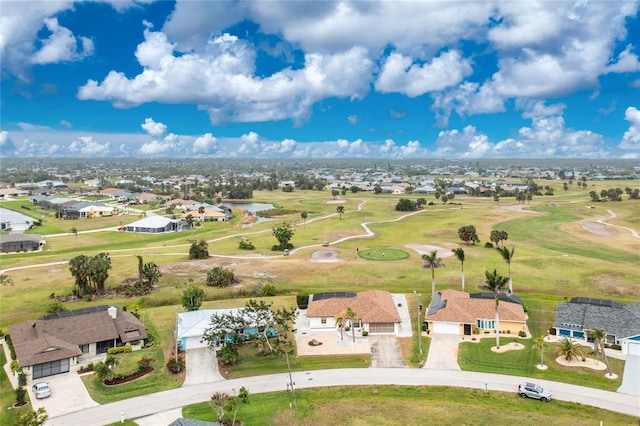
x=507, y=255
x=459, y=253
x=201, y=210
x=495, y=283
x=349, y=315
x=304, y=215
x=432, y=261
x=539, y=342
x=599, y=335
x=568, y=349
x=340, y=210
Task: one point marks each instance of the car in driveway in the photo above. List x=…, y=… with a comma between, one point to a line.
x=41, y=390
x=531, y=390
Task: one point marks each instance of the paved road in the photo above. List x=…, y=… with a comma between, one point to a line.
x=162, y=401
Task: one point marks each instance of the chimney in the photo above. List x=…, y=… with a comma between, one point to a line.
x=113, y=312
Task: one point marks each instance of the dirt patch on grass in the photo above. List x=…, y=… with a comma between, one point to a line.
x=596, y=228
x=427, y=249
x=325, y=256
x=615, y=284
x=523, y=208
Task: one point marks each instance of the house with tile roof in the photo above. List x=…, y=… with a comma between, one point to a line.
x=61, y=342
x=621, y=322
x=463, y=314
x=375, y=309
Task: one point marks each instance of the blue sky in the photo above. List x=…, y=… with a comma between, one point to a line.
x=320, y=79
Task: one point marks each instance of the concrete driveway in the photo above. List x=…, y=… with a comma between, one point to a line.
x=202, y=367
x=385, y=352
x=68, y=394
x=443, y=352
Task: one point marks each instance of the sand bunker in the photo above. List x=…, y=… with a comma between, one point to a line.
x=325, y=256
x=335, y=202
x=427, y=249
x=596, y=228
x=521, y=208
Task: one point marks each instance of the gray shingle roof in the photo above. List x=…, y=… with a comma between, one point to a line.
x=617, y=320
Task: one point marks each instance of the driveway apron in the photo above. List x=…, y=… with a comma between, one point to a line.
x=202, y=367
x=385, y=352
x=68, y=394
x=443, y=352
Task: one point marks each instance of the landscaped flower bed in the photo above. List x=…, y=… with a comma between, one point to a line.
x=121, y=380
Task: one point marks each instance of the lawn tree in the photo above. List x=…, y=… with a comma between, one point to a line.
x=459, y=253
x=140, y=266
x=431, y=262
x=283, y=233
x=79, y=268
x=335, y=193
x=468, y=234
x=496, y=284
x=201, y=211
x=33, y=418
x=498, y=237
x=568, y=349
x=99, y=266
x=267, y=319
x=220, y=277
x=304, y=215
x=406, y=205
x=507, y=255
x=599, y=336
x=539, y=343
x=74, y=231
x=340, y=211
x=236, y=400
x=150, y=274
x=105, y=370
x=192, y=298
x=189, y=220
x=199, y=250
x=350, y=315
x=6, y=280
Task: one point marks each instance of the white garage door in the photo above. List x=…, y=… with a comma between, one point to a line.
x=194, y=342
x=634, y=348
x=446, y=328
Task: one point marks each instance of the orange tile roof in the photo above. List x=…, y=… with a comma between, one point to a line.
x=370, y=306
x=462, y=309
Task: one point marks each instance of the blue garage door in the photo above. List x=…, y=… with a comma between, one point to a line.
x=578, y=334
x=563, y=332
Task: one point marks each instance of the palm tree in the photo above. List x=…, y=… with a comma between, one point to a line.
x=340, y=210
x=495, y=283
x=304, y=215
x=539, y=342
x=568, y=349
x=599, y=335
x=459, y=252
x=432, y=261
x=201, y=210
x=507, y=255
x=342, y=317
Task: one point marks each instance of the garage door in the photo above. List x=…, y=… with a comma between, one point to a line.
x=634, y=348
x=194, y=342
x=446, y=328
x=381, y=327
x=50, y=368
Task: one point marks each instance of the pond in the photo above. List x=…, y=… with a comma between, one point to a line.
x=252, y=208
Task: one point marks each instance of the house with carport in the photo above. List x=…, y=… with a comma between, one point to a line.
x=463, y=314
x=376, y=312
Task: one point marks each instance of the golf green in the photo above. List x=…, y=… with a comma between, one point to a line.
x=382, y=253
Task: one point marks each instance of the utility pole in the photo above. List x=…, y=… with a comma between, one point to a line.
x=291, y=383
x=419, y=325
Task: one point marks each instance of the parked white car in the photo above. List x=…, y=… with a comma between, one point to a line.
x=41, y=390
x=531, y=390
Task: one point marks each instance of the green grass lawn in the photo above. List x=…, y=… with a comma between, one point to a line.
x=8, y=414
x=406, y=405
x=477, y=356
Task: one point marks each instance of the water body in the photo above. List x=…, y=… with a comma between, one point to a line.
x=253, y=208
